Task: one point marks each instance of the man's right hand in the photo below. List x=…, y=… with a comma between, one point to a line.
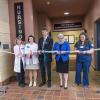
x=40, y=52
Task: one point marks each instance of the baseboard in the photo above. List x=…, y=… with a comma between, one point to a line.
x=7, y=81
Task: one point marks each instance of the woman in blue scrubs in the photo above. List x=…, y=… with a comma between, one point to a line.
x=84, y=49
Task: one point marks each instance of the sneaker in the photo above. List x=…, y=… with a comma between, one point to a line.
x=30, y=85
x=34, y=84
x=65, y=88
x=75, y=85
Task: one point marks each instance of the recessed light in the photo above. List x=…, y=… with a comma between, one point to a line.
x=66, y=13
x=48, y=2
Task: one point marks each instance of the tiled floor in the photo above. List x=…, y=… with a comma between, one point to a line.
x=55, y=92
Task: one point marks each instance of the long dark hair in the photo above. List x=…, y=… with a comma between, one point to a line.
x=32, y=37
x=86, y=38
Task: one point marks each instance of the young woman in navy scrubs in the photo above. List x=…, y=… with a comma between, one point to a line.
x=84, y=49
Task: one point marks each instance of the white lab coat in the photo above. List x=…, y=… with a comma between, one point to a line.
x=34, y=48
x=18, y=49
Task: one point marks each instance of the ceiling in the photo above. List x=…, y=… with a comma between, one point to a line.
x=56, y=8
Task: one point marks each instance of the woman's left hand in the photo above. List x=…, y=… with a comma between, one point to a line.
x=61, y=52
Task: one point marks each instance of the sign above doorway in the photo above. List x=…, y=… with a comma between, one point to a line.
x=67, y=25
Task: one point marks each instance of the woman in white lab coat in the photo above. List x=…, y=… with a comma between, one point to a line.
x=19, y=64
x=32, y=63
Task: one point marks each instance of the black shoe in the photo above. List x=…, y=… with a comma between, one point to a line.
x=61, y=86
x=22, y=85
x=65, y=88
x=41, y=84
x=49, y=84
x=25, y=84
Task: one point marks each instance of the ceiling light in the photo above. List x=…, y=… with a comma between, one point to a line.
x=66, y=13
x=48, y=3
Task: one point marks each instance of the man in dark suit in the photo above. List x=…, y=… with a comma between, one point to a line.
x=45, y=44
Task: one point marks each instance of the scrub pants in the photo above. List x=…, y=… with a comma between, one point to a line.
x=85, y=67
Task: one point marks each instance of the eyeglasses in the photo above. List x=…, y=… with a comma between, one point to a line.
x=60, y=38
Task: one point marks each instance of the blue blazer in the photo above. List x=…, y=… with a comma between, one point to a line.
x=65, y=47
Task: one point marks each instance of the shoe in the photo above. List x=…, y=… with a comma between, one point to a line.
x=65, y=88
x=22, y=85
x=41, y=84
x=25, y=84
x=49, y=84
x=75, y=85
x=34, y=84
x=61, y=86
x=30, y=85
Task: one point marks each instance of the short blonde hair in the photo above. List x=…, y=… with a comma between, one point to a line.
x=18, y=38
x=60, y=35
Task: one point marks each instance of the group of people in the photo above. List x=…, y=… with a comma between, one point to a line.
x=32, y=57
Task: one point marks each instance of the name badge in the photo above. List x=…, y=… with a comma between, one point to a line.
x=92, y=45
x=28, y=46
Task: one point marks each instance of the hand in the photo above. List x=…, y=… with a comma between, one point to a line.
x=64, y=52
x=80, y=52
x=59, y=52
x=40, y=52
x=89, y=51
x=31, y=52
x=84, y=52
x=77, y=51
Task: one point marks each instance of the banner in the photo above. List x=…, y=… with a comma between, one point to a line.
x=19, y=20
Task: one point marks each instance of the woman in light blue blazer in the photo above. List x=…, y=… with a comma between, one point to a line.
x=62, y=59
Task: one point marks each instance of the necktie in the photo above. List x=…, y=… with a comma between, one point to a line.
x=44, y=43
x=44, y=54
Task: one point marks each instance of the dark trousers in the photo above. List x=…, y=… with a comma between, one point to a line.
x=45, y=67
x=85, y=67
x=21, y=76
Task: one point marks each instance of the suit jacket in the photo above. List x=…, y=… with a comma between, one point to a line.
x=47, y=47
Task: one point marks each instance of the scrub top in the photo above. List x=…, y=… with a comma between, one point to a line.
x=85, y=47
